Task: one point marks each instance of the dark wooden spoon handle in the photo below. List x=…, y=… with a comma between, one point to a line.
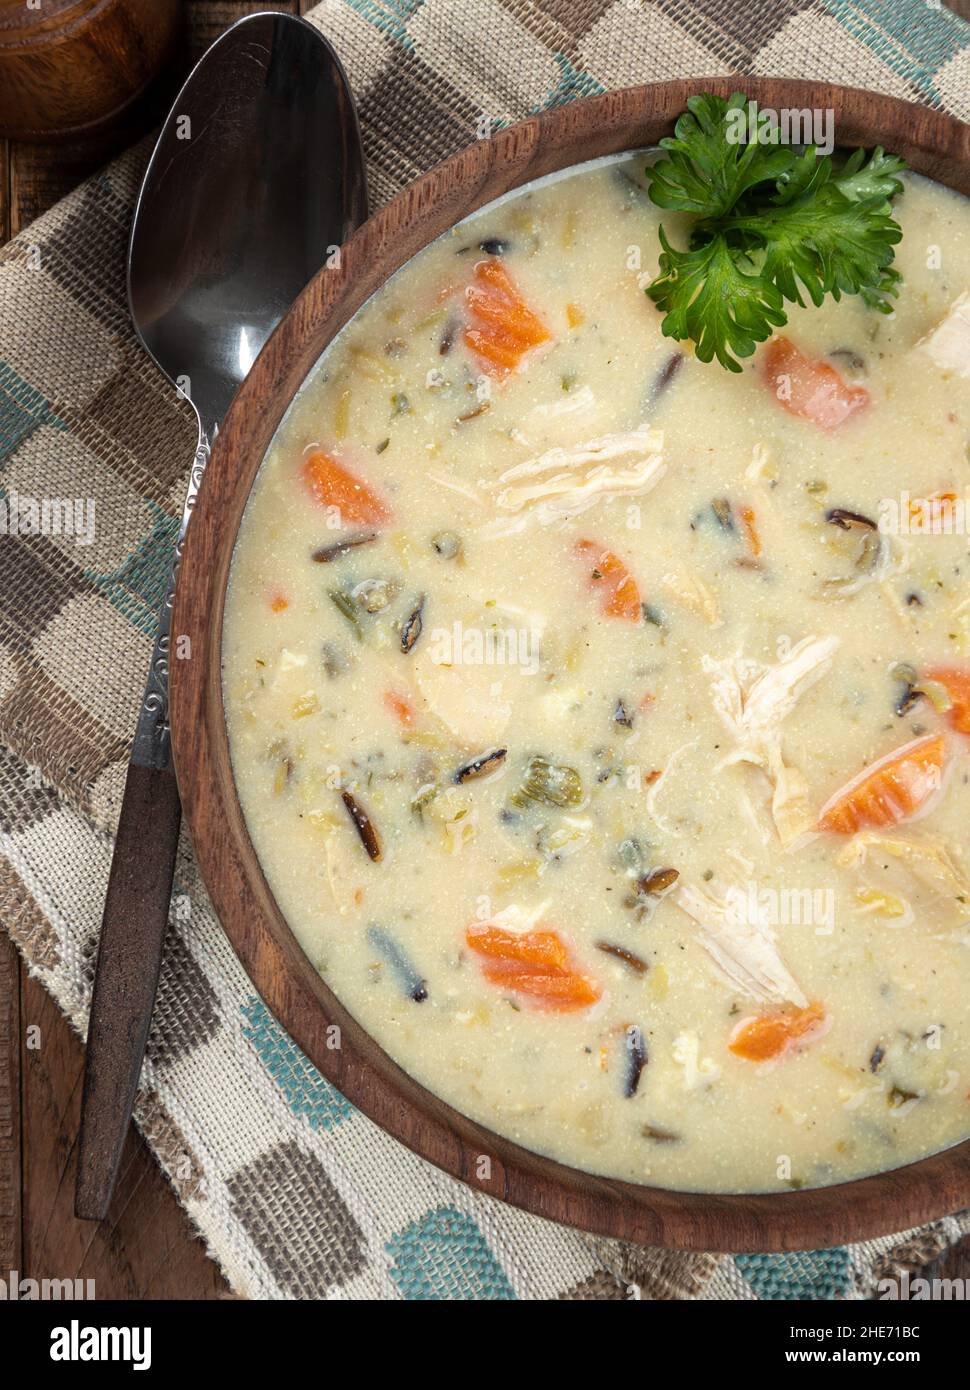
x=129, y=957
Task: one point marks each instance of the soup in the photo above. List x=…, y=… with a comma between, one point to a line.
x=600, y=717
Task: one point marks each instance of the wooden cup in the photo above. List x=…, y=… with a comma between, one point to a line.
x=71, y=67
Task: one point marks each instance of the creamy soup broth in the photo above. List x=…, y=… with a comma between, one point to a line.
x=594, y=708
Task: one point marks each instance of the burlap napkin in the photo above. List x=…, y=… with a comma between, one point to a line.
x=296, y=1194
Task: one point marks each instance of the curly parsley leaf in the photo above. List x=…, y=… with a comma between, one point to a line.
x=879, y=178
x=878, y=296
x=770, y=225
x=709, y=298
x=706, y=172
x=824, y=242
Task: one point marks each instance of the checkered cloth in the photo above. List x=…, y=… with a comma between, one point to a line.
x=297, y=1194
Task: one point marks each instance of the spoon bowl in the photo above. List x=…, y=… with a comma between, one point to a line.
x=256, y=180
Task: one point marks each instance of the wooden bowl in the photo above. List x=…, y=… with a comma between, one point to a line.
x=933, y=144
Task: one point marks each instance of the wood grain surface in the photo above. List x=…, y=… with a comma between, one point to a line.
x=33, y=177
x=71, y=67
x=931, y=143
x=147, y=1247
x=11, y=1177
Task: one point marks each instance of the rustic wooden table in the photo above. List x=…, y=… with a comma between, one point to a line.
x=147, y=1247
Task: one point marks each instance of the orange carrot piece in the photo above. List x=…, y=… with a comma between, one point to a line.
x=618, y=590
x=956, y=682
x=537, y=947
x=556, y=992
x=501, y=327
x=769, y=1035
x=278, y=601
x=930, y=513
x=333, y=485
x=535, y=964
x=750, y=527
x=400, y=706
x=495, y=355
x=890, y=790
x=813, y=390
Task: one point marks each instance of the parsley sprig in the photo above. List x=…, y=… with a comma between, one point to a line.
x=771, y=224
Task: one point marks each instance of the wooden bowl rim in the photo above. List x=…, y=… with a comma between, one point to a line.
x=305, y=1007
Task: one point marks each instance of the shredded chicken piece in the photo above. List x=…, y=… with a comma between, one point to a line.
x=520, y=919
x=582, y=476
x=791, y=806
x=469, y=700
x=927, y=861
x=758, y=815
x=949, y=342
x=568, y=404
x=343, y=868
x=743, y=951
x=904, y=616
x=289, y=661
x=695, y=594
x=661, y=783
x=762, y=467
x=461, y=488
x=753, y=701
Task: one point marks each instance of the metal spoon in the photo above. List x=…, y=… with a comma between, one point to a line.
x=257, y=177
